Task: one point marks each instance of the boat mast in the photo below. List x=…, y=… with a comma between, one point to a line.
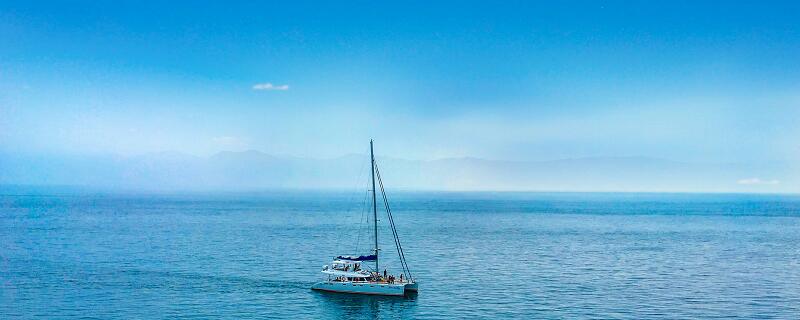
x=374, y=205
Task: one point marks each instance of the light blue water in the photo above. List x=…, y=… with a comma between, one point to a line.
x=476, y=255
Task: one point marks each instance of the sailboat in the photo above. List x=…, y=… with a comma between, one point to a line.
x=355, y=273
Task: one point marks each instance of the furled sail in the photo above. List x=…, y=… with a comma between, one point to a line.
x=371, y=257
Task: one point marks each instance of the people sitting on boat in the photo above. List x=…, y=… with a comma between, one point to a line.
x=401, y=277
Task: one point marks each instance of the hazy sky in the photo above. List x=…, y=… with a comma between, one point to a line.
x=715, y=82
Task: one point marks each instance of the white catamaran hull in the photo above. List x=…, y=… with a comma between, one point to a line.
x=384, y=289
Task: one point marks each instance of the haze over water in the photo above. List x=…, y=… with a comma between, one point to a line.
x=476, y=255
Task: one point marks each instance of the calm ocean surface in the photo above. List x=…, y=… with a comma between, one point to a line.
x=476, y=255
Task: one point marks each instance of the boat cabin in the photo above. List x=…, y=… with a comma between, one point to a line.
x=344, y=265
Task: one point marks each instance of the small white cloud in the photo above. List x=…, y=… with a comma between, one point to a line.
x=757, y=181
x=270, y=87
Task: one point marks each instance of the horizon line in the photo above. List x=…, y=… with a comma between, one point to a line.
x=100, y=190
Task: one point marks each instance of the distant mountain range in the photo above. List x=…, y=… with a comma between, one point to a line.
x=254, y=170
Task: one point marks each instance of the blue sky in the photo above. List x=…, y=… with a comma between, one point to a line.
x=687, y=81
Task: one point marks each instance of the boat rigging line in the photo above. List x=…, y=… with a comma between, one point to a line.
x=399, y=247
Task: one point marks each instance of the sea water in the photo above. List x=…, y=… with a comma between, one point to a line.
x=475, y=255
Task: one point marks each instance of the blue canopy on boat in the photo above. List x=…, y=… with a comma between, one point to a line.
x=371, y=257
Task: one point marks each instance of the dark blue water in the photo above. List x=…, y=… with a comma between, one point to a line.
x=478, y=255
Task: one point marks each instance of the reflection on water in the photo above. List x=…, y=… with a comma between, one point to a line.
x=355, y=306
